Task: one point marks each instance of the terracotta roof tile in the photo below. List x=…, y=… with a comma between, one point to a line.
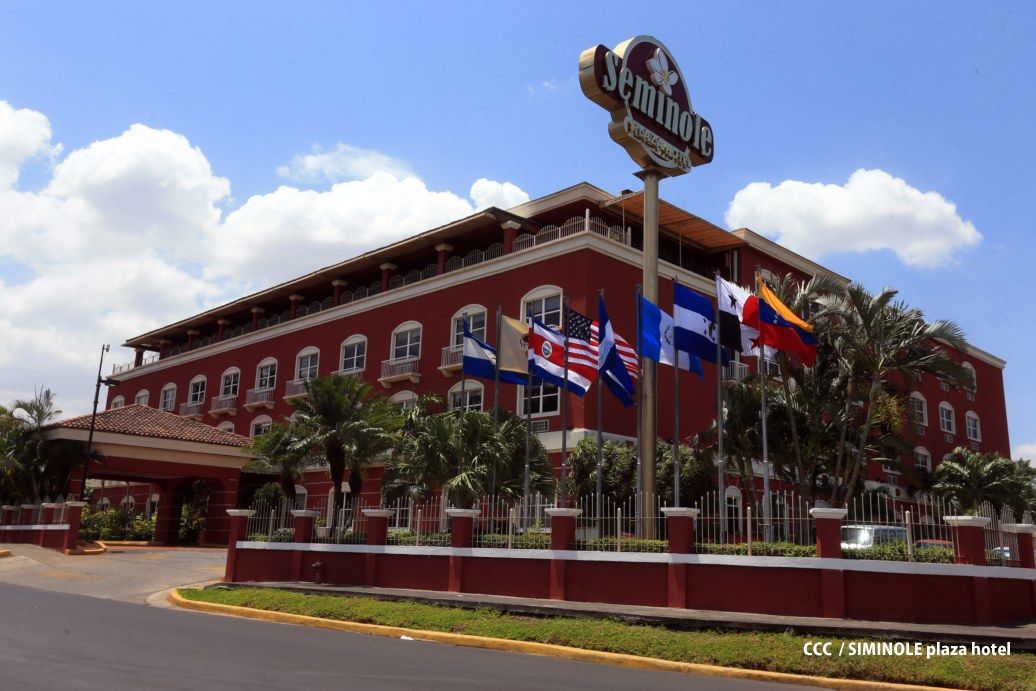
x=142, y=421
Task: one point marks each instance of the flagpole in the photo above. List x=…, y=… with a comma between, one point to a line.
x=528, y=437
x=766, y=451
x=463, y=378
x=496, y=397
x=720, y=461
x=600, y=410
x=640, y=403
x=676, y=413
x=564, y=409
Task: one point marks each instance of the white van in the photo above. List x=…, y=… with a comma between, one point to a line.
x=861, y=536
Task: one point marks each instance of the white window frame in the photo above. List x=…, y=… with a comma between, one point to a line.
x=471, y=389
x=405, y=400
x=262, y=420
x=952, y=428
x=923, y=420
x=312, y=370
x=406, y=328
x=197, y=394
x=171, y=406
x=541, y=387
x=226, y=426
x=118, y=402
x=142, y=394
x=470, y=312
x=541, y=295
x=970, y=417
x=271, y=383
x=354, y=341
x=922, y=451
x=733, y=509
x=235, y=386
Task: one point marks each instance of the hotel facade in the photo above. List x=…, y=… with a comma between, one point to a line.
x=393, y=317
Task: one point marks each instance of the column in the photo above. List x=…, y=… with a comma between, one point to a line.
x=386, y=273
x=8, y=515
x=296, y=300
x=829, y=546
x=238, y=528
x=1024, y=532
x=302, y=524
x=462, y=523
x=511, y=229
x=562, y=538
x=74, y=513
x=138, y=356
x=192, y=336
x=338, y=284
x=222, y=496
x=377, y=534
x=167, y=518
x=679, y=524
x=969, y=545
x=257, y=313
x=443, y=250
x=222, y=324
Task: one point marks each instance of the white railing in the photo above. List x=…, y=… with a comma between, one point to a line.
x=350, y=372
x=392, y=369
x=228, y=402
x=191, y=409
x=257, y=396
x=735, y=371
x=452, y=356
x=296, y=387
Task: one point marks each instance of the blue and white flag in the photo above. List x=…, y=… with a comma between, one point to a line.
x=480, y=361
x=695, y=320
x=610, y=364
x=658, y=338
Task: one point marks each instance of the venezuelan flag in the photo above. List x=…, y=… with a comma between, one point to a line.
x=779, y=327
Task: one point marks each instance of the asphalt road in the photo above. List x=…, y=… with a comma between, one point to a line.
x=59, y=640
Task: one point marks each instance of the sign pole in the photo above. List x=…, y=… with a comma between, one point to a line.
x=648, y=382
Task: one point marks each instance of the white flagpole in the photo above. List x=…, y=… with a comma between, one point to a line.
x=564, y=410
x=463, y=378
x=720, y=461
x=676, y=409
x=766, y=452
x=640, y=403
x=527, y=402
x=496, y=396
x=600, y=410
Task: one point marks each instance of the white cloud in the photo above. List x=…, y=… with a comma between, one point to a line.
x=871, y=211
x=130, y=233
x=549, y=84
x=1027, y=451
x=341, y=163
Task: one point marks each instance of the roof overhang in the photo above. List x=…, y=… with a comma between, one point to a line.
x=707, y=236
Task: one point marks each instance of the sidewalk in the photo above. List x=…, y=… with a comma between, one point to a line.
x=1021, y=636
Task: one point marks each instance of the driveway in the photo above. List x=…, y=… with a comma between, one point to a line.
x=129, y=574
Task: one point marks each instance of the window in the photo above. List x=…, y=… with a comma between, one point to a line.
x=944, y=385
x=141, y=397
x=307, y=364
x=261, y=425
x=732, y=497
x=167, y=400
x=974, y=432
x=230, y=383
x=946, y=422
x=354, y=354
x=118, y=402
x=544, y=304
x=468, y=396
x=266, y=375
x=406, y=341
x=476, y=316
x=301, y=495
x=128, y=502
x=922, y=459
x=196, y=392
x=406, y=400
x=542, y=399
x=226, y=426
x=918, y=409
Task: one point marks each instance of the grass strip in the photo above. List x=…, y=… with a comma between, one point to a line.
x=775, y=652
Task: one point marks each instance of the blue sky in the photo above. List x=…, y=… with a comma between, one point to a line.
x=938, y=95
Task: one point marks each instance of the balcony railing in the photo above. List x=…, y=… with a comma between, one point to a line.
x=259, y=397
x=191, y=409
x=735, y=371
x=452, y=359
x=296, y=387
x=350, y=372
x=399, y=370
x=224, y=404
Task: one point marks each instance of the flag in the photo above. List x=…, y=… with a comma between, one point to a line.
x=626, y=352
x=609, y=360
x=582, y=346
x=480, y=361
x=779, y=327
x=695, y=323
x=658, y=338
x=514, y=350
x=547, y=360
x=734, y=333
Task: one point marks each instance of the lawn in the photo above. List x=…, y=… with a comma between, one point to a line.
x=777, y=652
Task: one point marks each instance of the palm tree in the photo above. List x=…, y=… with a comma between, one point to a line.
x=874, y=338
x=278, y=451
x=344, y=423
x=968, y=479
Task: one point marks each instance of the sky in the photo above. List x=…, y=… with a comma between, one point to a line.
x=160, y=158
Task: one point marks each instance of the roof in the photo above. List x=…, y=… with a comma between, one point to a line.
x=142, y=421
x=708, y=236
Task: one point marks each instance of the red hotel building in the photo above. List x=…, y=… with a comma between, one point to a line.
x=393, y=317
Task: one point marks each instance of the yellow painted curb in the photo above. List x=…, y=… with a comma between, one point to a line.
x=87, y=551
x=545, y=649
x=5, y=553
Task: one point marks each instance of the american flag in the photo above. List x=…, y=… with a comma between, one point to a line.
x=583, y=338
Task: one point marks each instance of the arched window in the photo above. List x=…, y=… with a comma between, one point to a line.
x=476, y=318
x=151, y=506
x=128, y=502
x=196, y=392
x=118, y=402
x=543, y=303
x=301, y=496
x=947, y=422
x=406, y=400
x=922, y=459
x=141, y=397
x=354, y=354
x=467, y=395
x=167, y=399
x=266, y=374
x=732, y=499
x=226, y=426
x=261, y=425
x=973, y=429
x=104, y=502
x=406, y=341
x=918, y=409
x=307, y=364
x=230, y=382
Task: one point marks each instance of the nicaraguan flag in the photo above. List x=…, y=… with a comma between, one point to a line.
x=658, y=338
x=695, y=323
x=609, y=362
x=480, y=361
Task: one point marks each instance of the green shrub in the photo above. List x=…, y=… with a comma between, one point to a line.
x=141, y=528
x=427, y=539
x=529, y=540
x=759, y=549
x=631, y=544
x=192, y=523
x=270, y=494
x=897, y=551
x=115, y=523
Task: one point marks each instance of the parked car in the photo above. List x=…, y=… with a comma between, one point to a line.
x=929, y=544
x=862, y=536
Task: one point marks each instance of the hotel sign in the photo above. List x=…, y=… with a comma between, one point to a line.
x=640, y=84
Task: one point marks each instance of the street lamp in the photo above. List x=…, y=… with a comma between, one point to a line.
x=93, y=415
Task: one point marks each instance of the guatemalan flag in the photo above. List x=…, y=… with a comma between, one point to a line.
x=480, y=361
x=695, y=323
x=547, y=360
x=658, y=339
x=610, y=363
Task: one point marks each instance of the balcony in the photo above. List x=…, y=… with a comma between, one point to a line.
x=452, y=359
x=399, y=370
x=192, y=410
x=224, y=404
x=735, y=371
x=296, y=388
x=259, y=398
x=350, y=372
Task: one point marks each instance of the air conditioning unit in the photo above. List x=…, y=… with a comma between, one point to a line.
x=948, y=438
x=540, y=426
x=919, y=430
x=973, y=445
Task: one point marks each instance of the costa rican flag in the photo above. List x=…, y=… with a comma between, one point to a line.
x=547, y=359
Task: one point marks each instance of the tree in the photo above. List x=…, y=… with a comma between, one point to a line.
x=346, y=425
x=697, y=473
x=968, y=478
x=31, y=465
x=619, y=469
x=278, y=450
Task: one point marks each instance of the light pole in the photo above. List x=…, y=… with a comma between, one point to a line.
x=93, y=415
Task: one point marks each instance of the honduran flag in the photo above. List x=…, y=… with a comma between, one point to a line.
x=695, y=323
x=547, y=360
x=778, y=326
x=480, y=361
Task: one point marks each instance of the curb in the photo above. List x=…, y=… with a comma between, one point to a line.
x=87, y=551
x=531, y=648
x=5, y=553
